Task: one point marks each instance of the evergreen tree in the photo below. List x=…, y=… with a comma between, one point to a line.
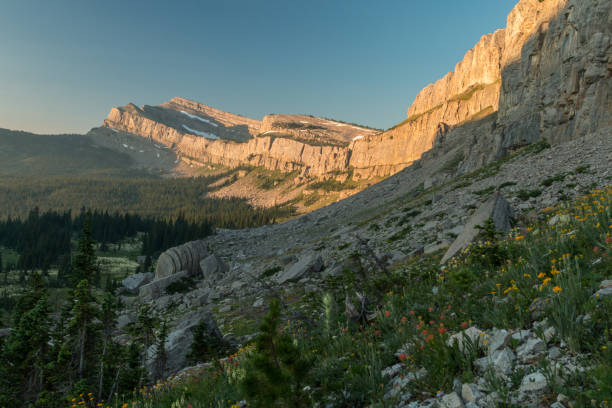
x=25, y=353
x=206, y=345
x=278, y=368
x=84, y=265
x=161, y=356
x=83, y=333
x=145, y=335
x=108, y=317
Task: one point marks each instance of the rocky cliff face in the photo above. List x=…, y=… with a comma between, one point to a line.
x=547, y=74
x=314, y=146
x=558, y=85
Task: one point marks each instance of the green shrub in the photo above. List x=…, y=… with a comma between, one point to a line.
x=485, y=191
x=399, y=234
x=277, y=368
x=507, y=184
x=206, y=344
x=527, y=194
x=550, y=180
x=461, y=280
x=183, y=285
x=271, y=271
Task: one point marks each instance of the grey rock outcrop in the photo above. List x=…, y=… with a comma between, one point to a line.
x=452, y=400
x=533, y=383
x=158, y=287
x=605, y=289
x=179, y=341
x=133, y=282
x=496, y=208
x=184, y=257
x=213, y=267
x=309, y=263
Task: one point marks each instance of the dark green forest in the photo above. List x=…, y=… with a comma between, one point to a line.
x=50, y=355
x=43, y=240
x=145, y=196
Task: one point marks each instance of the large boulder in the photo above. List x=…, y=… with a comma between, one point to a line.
x=496, y=208
x=184, y=257
x=179, y=341
x=158, y=286
x=213, y=267
x=309, y=263
x=133, y=282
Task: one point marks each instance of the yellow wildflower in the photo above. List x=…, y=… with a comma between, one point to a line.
x=557, y=289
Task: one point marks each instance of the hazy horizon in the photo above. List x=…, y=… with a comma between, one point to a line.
x=66, y=63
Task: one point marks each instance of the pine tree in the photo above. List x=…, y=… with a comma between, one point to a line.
x=206, y=345
x=108, y=317
x=25, y=352
x=83, y=330
x=279, y=369
x=161, y=355
x=145, y=334
x=84, y=265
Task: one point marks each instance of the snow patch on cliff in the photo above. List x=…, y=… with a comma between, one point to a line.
x=199, y=118
x=203, y=134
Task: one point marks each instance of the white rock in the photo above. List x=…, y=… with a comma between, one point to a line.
x=603, y=292
x=502, y=362
x=237, y=284
x=452, y=400
x=549, y=334
x=133, y=282
x=474, y=335
x=521, y=335
x=535, y=382
x=392, y=371
x=470, y=393
x=559, y=219
x=307, y=264
x=531, y=348
x=554, y=353
x=497, y=340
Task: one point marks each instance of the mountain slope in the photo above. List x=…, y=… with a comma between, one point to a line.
x=29, y=154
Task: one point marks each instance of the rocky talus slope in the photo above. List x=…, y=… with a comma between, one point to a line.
x=395, y=220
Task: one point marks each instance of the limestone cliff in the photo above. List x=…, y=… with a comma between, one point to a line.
x=534, y=73
x=208, y=135
x=547, y=74
x=557, y=86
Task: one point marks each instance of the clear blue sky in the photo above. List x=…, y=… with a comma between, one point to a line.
x=65, y=63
